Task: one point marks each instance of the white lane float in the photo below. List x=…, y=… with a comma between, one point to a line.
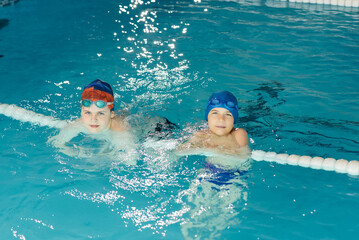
x=346, y=5
x=328, y=164
x=343, y=3
x=24, y=115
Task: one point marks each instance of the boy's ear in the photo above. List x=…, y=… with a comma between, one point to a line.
x=112, y=114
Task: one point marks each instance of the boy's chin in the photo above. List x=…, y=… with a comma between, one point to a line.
x=94, y=130
x=220, y=133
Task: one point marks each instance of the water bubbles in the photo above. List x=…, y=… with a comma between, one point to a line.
x=128, y=49
x=171, y=45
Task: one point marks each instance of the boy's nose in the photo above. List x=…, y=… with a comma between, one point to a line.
x=94, y=118
x=221, y=117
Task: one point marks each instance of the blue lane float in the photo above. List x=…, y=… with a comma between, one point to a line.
x=328, y=164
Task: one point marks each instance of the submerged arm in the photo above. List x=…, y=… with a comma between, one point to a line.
x=202, y=144
x=67, y=133
x=125, y=147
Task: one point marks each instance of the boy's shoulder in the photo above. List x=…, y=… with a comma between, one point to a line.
x=118, y=124
x=239, y=131
x=241, y=136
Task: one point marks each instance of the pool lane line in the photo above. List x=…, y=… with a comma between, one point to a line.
x=328, y=164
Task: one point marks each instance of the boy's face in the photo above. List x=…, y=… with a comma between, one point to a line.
x=220, y=121
x=96, y=119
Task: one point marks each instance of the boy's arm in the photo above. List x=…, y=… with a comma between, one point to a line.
x=192, y=145
x=125, y=146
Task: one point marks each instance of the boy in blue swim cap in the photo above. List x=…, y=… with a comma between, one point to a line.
x=221, y=113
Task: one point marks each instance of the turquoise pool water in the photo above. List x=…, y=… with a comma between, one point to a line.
x=293, y=69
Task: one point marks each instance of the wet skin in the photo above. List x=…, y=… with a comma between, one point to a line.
x=220, y=121
x=96, y=119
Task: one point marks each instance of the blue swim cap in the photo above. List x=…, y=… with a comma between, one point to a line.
x=223, y=99
x=98, y=84
x=99, y=90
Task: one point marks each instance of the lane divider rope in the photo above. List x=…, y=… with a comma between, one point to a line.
x=328, y=164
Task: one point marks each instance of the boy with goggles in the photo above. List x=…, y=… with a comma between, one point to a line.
x=97, y=105
x=98, y=118
x=221, y=136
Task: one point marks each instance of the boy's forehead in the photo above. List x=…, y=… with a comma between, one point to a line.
x=94, y=109
x=219, y=109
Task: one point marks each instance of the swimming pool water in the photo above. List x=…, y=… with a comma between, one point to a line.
x=294, y=69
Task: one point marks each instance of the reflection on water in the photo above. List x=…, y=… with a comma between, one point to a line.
x=267, y=121
x=163, y=52
x=4, y=3
x=158, y=72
